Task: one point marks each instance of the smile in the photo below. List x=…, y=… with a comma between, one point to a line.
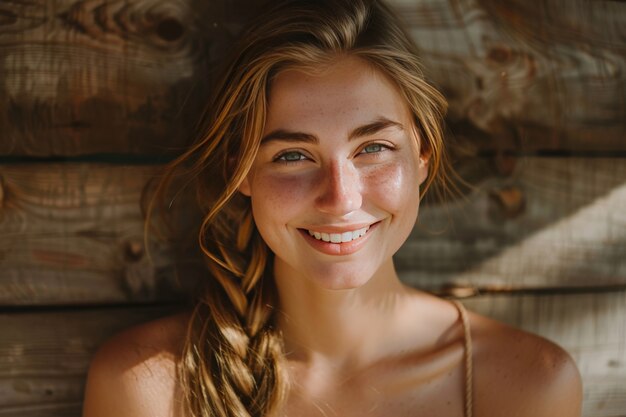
x=339, y=237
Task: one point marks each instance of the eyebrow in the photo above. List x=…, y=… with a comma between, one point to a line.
x=365, y=130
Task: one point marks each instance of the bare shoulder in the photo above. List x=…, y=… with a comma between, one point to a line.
x=522, y=374
x=134, y=373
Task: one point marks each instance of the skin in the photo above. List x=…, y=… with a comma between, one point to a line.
x=360, y=342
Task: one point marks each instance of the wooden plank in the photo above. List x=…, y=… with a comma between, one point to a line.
x=551, y=223
x=127, y=77
x=103, y=77
x=528, y=76
x=44, y=356
x=592, y=327
x=74, y=233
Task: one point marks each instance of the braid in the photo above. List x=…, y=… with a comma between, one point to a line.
x=231, y=361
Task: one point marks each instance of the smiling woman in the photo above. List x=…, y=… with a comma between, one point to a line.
x=320, y=141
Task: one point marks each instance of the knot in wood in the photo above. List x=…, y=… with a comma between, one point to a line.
x=510, y=201
x=500, y=54
x=170, y=29
x=133, y=250
x=8, y=17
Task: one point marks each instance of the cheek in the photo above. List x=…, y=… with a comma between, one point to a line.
x=279, y=196
x=395, y=184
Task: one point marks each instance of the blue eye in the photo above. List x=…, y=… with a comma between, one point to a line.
x=290, y=156
x=374, y=148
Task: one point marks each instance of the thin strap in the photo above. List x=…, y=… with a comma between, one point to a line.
x=468, y=358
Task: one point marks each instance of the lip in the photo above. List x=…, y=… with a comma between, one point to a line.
x=339, y=249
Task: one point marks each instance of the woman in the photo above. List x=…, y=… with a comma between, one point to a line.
x=318, y=141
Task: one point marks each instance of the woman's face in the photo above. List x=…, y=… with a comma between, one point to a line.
x=335, y=186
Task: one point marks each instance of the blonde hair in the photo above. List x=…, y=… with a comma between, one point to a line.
x=232, y=357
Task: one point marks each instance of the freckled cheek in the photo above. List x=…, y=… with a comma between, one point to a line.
x=283, y=194
x=391, y=185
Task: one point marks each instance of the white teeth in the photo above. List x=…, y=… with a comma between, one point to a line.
x=339, y=237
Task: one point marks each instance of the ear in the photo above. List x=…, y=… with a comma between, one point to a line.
x=244, y=187
x=422, y=166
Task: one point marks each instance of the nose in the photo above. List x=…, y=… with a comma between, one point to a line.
x=340, y=189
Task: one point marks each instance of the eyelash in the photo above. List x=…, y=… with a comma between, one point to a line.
x=383, y=148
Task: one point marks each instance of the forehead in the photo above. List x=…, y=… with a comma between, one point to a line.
x=342, y=94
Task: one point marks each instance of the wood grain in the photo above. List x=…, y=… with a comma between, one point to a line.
x=44, y=356
x=91, y=77
x=74, y=233
x=544, y=76
x=549, y=223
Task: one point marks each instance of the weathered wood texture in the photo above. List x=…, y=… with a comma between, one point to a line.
x=547, y=75
x=82, y=77
x=74, y=233
x=44, y=356
x=550, y=223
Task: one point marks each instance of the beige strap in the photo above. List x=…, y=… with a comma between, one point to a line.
x=468, y=358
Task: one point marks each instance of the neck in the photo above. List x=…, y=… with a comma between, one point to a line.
x=343, y=328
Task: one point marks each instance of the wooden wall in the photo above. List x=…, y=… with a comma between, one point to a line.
x=95, y=96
